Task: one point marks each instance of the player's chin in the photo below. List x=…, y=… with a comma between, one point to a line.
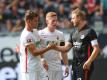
x=54, y=26
x=35, y=27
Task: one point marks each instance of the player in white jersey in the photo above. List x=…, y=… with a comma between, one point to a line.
x=30, y=66
x=52, y=60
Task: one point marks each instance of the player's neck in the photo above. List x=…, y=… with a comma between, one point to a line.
x=50, y=29
x=28, y=27
x=81, y=25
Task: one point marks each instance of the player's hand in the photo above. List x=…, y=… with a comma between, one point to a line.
x=86, y=65
x=51, y=45
x=17, y=49
x=66, y=72
x=45, y=64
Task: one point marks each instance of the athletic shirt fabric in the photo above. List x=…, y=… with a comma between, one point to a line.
x=28, y=62
x=52, y=56
x=81, y=41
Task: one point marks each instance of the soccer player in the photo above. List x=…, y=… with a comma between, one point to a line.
x=85, y=46
x=52, y=60
x=30, y=62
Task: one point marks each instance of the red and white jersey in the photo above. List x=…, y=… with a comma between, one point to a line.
x=28, y=62
x=52, y=56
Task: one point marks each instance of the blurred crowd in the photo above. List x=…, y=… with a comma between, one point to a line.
x=12, y=12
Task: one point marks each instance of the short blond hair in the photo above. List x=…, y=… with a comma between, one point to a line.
x=79, y=13
x=50, y=14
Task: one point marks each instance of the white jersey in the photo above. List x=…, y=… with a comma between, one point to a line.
x=52, y=56
x=28, y=62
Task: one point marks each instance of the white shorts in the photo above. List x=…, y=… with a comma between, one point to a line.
x=37, y=75
x=55, y=75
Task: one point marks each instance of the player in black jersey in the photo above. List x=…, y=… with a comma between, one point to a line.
x=85, y=47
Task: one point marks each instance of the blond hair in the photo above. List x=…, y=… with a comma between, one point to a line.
x=79, y=13
x=50, y=14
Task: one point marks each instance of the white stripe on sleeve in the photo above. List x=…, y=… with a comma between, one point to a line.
x=94, y=42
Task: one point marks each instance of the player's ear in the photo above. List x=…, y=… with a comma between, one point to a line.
x=27, y=21
x=79, y=18
x=46, y=21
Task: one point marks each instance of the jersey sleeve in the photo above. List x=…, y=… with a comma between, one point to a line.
x=62, y=37
x=93, y=38
x=39, y=32
x=28, y=40
x=62, y=43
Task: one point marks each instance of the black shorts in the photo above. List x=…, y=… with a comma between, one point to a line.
x=79, y=74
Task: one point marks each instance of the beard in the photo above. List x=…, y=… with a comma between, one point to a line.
x=76, y=24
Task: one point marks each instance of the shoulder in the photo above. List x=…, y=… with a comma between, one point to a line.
x=25, y=37
x=26, y=34
x=41, y=31
x=92, y=31
x=92, y=34
x=59, y=32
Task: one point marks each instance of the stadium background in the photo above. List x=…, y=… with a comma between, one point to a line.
x=12, y=23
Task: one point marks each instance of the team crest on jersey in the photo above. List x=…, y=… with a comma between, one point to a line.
x=29, y=40
x=82, y=36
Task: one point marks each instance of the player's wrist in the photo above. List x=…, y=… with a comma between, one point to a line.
x=48, y=47
x=67, y=66
x=42, y=59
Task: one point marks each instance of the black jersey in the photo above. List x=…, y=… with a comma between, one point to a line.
x=82, y=49
x=81, y=41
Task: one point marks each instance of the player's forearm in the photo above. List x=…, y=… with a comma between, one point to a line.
x=64, y=58
x=61, y=48
x=65, y=48
x=94, y=54
x=40, y=51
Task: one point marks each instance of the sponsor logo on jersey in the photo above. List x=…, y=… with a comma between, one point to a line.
x=37, y=43
x=82, y=36
x=77, y=44
x=54, y=42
